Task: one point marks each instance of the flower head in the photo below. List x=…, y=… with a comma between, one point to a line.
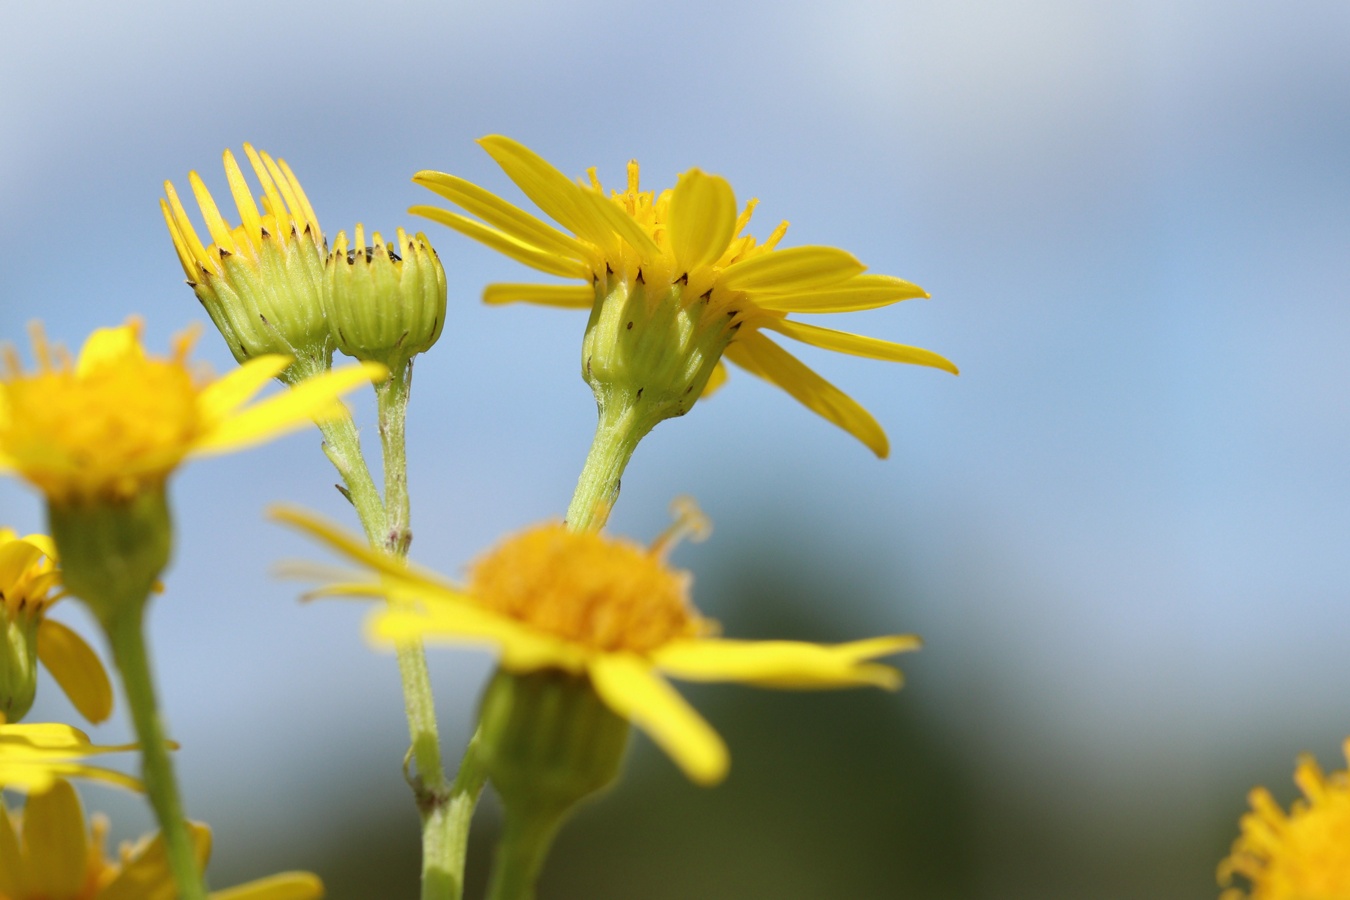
x=34, y=757
x=673, y=283
x=616, y=613
x=49, y=852
x=385, y=302
x=117, y=421
x=29, y=584
x=1300, y=855
x=261, y=281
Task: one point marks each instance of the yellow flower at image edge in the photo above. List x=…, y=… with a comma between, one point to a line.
x=35, y=757
x=49, y=852
x=29, y=584
x=586, y=604
x=116, y=421
x=1300, y=855
x=672, y=283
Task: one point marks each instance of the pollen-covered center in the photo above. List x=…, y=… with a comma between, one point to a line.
x=605, y=594
x=102, y=429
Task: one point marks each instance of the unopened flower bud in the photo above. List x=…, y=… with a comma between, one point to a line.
x=384, y=304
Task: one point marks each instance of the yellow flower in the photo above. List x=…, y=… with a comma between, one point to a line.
x=1300, y=855
x=35, y=757
x=261, y=281
x=29, y=584
x=594, y=606
x=50, y=853
x=117, y=422
x=677, y=264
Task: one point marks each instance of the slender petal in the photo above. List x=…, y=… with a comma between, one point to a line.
x=288, y=411
x=785, y=664
x=109, y=345
x=715, y=380
x=631, y=688
x=551, y=190
x=145, y=875
x=622, y=224
x=495, y=211
x=522, y=649
x=858, y=345
x=16, y=558
x=861, y=292
x=76, y=668
x=530, y=255
x=285, y=886
x=56, y=841
x=340, y=541
x=224, y=395
x=760, y=356
x=794, y=269
x=566, y=296
x=702, y=219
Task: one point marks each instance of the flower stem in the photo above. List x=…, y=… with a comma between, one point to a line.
x=525, y=842
x=620, y=428
x=126, y=634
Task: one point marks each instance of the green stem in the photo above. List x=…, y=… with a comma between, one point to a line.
x=126, y=634
x=620, y=428
x=444, y=836
x=453, y=819
x=524, y=844
x=342, y=446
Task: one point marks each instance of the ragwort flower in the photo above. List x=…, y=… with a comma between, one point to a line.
x=34, y=757
x=672, y=283
x=29, y=584
x=607, y=610
x=1300, y=855
x=261, y=281
x=116, y=422
x=49, y=852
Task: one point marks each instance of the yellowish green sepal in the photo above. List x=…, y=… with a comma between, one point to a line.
x=18, y=665
x=384, y=304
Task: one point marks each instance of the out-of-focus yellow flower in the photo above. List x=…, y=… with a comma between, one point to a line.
x=1300, y=855
x=34, y=757
x=603, y=608
x=116, y=422
x=262, y=280
x=49, y=852
x=29, y=584
x=672, y=282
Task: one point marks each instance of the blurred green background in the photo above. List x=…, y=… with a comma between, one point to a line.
x=1121, y=531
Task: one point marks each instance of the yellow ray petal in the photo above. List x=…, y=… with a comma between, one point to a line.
x=16, y=557
x=861, y=292
x=226, y=394
x=702, y=219
x=221, y=234
x=785, y=664
x=76, y=668
x=56, y=841
x=285, y=886
x=311, y=219
x=631, y=688
x=185, y=229
x=274, y=200
x=288, y=411
x=243, y=199
x=551, y=190
x=180, y=243
x=792, y=270
x=11, y=864
x=566, y=296
x=107, y=346
x=530, y=255
x=495, y=211
x=622, y=224
x=858, y=345
x=522, y=649
x=760, y=356
x=357, y=549
x=715, y=380
x=146, y=874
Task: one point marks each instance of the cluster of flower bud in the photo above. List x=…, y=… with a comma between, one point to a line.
x=271, y=285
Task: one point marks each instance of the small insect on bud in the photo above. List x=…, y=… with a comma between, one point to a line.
x=384, y=304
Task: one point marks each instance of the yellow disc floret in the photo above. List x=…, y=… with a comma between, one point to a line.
x=1300, y=855
x=105, y=426
x=602, y=593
